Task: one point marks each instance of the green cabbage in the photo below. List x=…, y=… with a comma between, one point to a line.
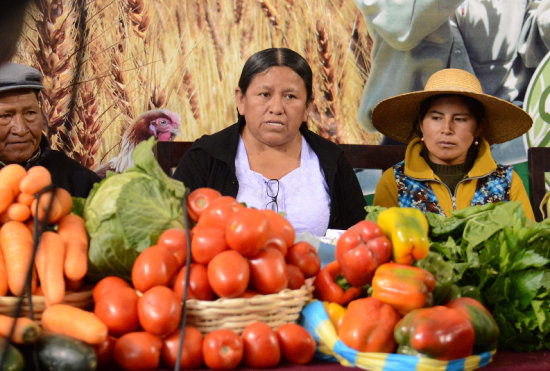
x=126, y=213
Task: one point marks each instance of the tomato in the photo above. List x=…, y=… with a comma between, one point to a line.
x=280, y=227
x=268, y=271
x=197, y=287
x=277, y=243
x=297, y=345
x=296, y=278
x=207, y=242
x=222, y=349
x=228, y=274
x=247, y=231
x=261, y=347
x=249, y=294
x=191, y=350
x=118, y=310
x=107, y=284
x=156, y=265
x=218, y=212
x=104, y=351
x=175, y=239
x=159, y=310
x=199, y=200
x=305, y=256
x=138, y=351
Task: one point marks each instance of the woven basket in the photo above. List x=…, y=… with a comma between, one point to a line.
x=80, y=299
x=236, y=314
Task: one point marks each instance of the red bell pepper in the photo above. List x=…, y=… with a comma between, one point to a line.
x=360, y=250
x=368, y=326
x=436, y=332
x=485, y=327
x=328, y=289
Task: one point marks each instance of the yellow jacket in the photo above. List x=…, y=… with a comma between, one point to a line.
x=416, y=167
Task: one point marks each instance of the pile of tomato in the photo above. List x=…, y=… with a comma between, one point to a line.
x=236, y=252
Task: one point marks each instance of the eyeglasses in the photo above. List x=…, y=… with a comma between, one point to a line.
x=272, y=192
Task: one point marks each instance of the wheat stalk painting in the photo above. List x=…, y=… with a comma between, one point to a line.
x=186, y=57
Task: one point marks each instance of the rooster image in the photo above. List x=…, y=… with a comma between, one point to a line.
x=160, y=123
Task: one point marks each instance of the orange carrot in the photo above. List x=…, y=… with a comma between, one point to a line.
x=49, y=264
x=66, y=201
x=18, y=212
x=62, y=205
x=36, y=179
x=3, y=275
x=6, y=197
x=26, y=330
x=12, y=175
x=17, y=246
x=25, y=198
x=76, y=322
x=72, y=230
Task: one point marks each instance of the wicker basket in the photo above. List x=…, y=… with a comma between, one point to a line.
x=236, y=314
x=82, y=299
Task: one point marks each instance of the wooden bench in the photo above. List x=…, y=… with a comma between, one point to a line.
x=538, y=162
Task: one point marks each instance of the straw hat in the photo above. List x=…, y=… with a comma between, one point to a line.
x=395, y=116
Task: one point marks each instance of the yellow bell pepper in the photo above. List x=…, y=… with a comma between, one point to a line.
x=407, y=228
x=335, y=312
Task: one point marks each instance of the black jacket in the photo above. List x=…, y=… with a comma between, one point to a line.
x=210, y=162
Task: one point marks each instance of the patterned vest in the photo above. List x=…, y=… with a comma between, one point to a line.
x=416, y=193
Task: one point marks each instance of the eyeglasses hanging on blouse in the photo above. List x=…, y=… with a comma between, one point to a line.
x=272, y=192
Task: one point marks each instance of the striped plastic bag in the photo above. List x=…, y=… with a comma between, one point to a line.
x=316, y=321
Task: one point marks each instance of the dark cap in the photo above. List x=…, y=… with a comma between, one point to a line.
x=19, y=76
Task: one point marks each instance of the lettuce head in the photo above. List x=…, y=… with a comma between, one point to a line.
x=126, y=213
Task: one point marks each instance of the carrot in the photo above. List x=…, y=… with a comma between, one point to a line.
x=76, y=322
x=3, y=275
x=49, y=264
x=72, y=230
x=11, y=175
x=25, y=198
x=6, y=197
x=17, y=246
x=18, y=212
x=35, y=180
x=26, y=330
x=66, y=201
x=62, y=205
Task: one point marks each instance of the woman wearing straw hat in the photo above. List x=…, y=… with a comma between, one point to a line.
x=449, y=127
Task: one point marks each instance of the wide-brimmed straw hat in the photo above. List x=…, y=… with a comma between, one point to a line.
x=395, y=116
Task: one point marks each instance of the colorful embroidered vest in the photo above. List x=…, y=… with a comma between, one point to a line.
x=415, y=193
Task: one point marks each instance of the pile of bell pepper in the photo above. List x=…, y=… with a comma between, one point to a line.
x=378, y=301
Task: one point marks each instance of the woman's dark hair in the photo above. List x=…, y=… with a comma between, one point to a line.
x=264, y=59
x=474, y=106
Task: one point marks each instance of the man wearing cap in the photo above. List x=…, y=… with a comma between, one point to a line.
x=448, y=163
x=21, y=137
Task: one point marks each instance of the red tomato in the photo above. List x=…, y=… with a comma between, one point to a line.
x=268, y=271
x=228, y=274
x=107, y=284
x=156, y=265
x=104, y=351
x=197, y=287
x=261, y=347
x=191, y=350
x=222, y=349
x=247, y=231
x=297, y=345
x=296, y=278
x=207, y=242
x=138, y=351
x=199, y=200
x=118, y=310
x=159, y=310
x=280, y=227
x=305, y=256
x=175, y=239
x=218, y=212
x=277, y=243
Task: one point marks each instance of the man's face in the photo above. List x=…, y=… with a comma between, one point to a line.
x=20, y=126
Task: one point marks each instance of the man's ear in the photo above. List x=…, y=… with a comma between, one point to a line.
x=239, y=98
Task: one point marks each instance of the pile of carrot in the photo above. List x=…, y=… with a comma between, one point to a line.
x=62, y=256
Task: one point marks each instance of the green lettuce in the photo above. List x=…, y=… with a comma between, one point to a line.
x=126, y=213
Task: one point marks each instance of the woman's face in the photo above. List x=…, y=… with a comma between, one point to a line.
x=274, y=106
x=449, y=129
